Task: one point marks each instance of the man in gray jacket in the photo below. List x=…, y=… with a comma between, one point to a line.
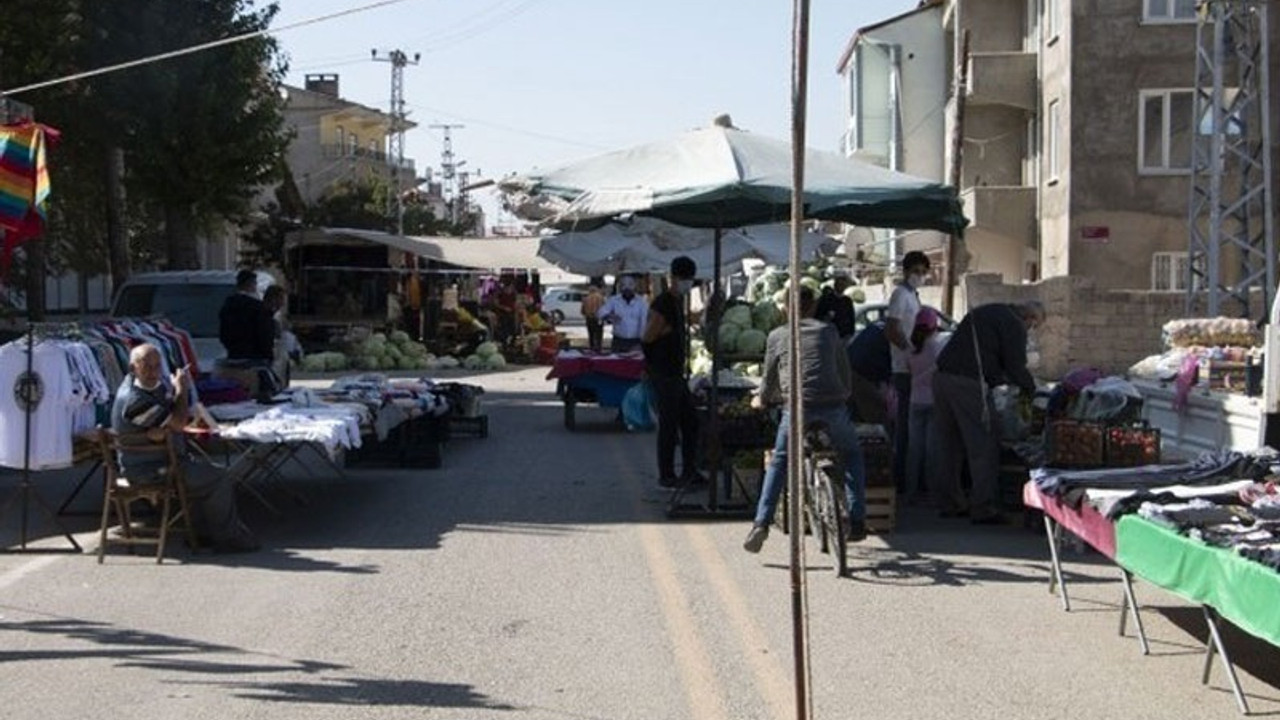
x=825, y=391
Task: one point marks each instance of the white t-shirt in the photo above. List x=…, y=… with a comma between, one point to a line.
x=904, y=305
x=51, y=411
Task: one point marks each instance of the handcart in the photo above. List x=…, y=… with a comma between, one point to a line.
x=603, y=379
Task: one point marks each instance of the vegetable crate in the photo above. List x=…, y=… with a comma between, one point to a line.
x=1133, y=446
x=756, y=429
x=877, y=456
x=882, y=509
x=1075, y=444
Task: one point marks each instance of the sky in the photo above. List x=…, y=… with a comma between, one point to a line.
x=539, y=83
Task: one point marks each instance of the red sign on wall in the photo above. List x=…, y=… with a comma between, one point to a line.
x=1100, y=234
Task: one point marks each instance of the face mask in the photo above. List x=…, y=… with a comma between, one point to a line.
x=628, y=294
x=915, y=280
x=684, y=286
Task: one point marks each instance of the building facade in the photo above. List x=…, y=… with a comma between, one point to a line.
x=1077, y=132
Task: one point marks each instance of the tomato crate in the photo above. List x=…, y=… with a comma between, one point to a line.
x=1075, y=444
x=882, y=510
x=1133, y=446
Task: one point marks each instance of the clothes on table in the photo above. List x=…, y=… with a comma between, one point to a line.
x=1206, y=469
x=332, y=426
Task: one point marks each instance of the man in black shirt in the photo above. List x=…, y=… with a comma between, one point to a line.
x=664, y=341
x=245, y=326
x=989, y=348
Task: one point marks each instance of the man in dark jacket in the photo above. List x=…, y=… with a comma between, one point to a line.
x=245, y=325
x=989, y=348
x=872, y=370
x=664, y=339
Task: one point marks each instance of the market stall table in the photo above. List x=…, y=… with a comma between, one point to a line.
x=590, y=377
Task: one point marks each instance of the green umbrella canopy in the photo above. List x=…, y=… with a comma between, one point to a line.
x=725, y=177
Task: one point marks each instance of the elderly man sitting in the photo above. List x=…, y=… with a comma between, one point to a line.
x=147, y=405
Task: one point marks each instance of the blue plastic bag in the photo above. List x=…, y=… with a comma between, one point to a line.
x=637, y=407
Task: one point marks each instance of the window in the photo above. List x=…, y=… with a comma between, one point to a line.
x=1052, y=9
x=1164, y=131
x=354, y=147
x=1053, y=128
x=1170, y=271
x=341, y=135
x=1169, y=11
x=373, y=146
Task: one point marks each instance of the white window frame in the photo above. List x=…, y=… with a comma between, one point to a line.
x=1052, y=20
x=341, y=134
x=1164, y=168
x=1053, y=146
x=1170, y=271
x=1168, y=17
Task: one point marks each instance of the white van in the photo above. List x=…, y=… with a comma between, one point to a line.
x=190, y=299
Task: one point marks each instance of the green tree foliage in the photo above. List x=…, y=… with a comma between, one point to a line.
x=365, y=204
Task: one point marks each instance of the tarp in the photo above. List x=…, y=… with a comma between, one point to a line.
x=480, y=253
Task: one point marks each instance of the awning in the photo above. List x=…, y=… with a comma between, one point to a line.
x=480, y=253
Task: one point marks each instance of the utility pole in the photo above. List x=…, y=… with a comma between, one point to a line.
x=1232, y=204
x=395, y=140
x=449, y=169
x=957, y=175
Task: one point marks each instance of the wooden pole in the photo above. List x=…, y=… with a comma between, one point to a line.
x=956, y=175
x=795, y=409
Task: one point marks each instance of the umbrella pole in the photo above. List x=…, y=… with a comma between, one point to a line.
x=795, y=408
x=715, y=460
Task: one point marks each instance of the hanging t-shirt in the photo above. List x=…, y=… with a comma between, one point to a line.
x=45, y=392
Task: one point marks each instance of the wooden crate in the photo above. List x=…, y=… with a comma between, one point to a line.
x=877, y=457
x=882, y=510
x=1133, y=446
x=1075, y=444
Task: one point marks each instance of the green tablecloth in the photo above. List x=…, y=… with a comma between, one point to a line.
x=1243, y=591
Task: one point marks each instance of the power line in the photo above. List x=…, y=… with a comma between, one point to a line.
x=510, y=128
x=198, y=48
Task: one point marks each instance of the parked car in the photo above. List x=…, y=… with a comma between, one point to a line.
x=563, y=303
x=189, y=299
x=868, y=314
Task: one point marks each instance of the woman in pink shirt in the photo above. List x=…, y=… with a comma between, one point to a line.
x=926, y=343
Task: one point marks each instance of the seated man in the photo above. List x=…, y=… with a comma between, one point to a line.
x=146, y=405
x=825, y=392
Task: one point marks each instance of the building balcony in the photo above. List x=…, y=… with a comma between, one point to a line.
x=364, y=155
x=1003, y=78
x=1009, y=211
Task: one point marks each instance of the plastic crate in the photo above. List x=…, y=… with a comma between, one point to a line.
x=1075, y=444
x=1133, y=446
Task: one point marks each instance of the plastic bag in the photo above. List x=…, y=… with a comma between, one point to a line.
x=637, y=407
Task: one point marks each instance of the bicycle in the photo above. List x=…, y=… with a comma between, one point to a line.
x=824, y=504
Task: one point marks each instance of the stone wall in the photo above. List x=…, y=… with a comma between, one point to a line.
x=1085, y=326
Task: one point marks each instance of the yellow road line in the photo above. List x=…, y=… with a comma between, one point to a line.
x=773, y=681
x=696, y=671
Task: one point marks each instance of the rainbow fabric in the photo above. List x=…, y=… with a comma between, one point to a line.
x=24, y=182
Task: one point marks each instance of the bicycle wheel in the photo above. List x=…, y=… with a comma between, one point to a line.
x=835, y=532
x=811, y=503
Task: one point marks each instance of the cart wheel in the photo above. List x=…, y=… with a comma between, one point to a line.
x=570, y=422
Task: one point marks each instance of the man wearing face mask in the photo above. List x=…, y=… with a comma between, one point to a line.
x=664, y=341
x=627, y=312
x=900, y=320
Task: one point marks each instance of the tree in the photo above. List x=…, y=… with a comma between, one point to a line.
x=363, y=204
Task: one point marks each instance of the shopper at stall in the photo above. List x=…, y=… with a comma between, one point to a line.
x=900, y=318
x=146, y=404
x=837, y=308
x=590, y=308
x=926, y=342
x=871, y=372
x=244, y=323
x=825, y=392
x=664, y=341
x=628, y=313
x=989, y=348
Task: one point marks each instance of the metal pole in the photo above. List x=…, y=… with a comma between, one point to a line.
x=795, y=408
x=957, y=167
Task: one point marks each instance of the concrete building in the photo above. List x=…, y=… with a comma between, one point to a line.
x=1077, y=129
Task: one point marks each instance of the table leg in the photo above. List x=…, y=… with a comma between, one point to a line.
x=1051, y=530
x=1215, y=642
x=1130, y=605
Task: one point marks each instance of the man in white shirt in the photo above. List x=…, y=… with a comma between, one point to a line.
x=627, y=312
x=900, y=320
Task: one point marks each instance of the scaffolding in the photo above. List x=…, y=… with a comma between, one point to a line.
x=1231, y=214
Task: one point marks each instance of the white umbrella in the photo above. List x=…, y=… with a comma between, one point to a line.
x=648, y=245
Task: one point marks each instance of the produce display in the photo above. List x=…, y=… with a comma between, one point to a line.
x=1076, y=444
x=1132, y=446
x=1211, y=332
x=396, y=351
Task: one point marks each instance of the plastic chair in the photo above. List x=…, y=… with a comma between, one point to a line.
x=162, y=492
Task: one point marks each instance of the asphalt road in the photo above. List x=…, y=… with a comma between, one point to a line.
x=535, y=575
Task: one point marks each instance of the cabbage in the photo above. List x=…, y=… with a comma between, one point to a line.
x=472, y=362
x=335, y=361
x=855, y=294
x=765, y=315
x=366, y=362
x=399, y=337
x=485, y=349
x=739, y=315
x=447, y=361
x=728, y=337
x=751, y=342
x=701, y=365
x=495, y=362
x=314, y=362
x=380, y=338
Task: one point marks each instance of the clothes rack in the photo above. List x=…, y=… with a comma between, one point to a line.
x=28, y=390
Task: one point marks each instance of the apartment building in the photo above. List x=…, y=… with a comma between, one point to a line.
x=1077, y=128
